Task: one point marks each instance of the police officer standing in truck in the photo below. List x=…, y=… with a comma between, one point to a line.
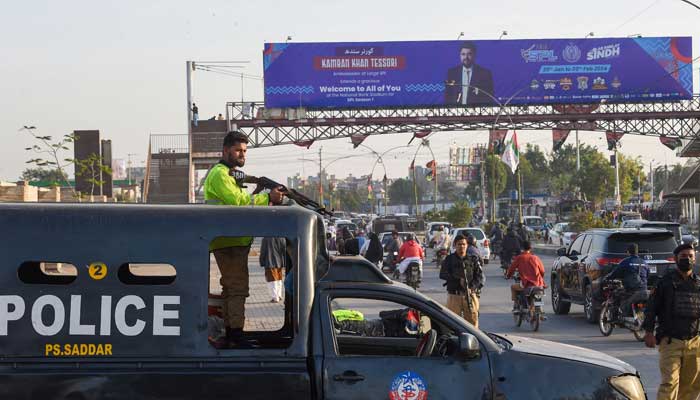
x=675, y=306
x=231, y=253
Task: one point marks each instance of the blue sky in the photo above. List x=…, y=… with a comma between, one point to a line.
x=120, y=66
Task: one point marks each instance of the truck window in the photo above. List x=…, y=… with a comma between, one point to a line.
x=373, y=327
x=47, y=273
x=247, y=279
x=146, y=274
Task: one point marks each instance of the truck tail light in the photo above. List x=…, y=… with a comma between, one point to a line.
x=603, y=261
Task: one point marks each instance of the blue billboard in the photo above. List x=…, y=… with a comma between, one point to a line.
x=475, y=73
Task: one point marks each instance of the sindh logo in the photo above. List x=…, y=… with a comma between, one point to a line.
x=571, y=53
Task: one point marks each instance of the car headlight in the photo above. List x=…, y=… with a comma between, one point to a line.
x=629, y=385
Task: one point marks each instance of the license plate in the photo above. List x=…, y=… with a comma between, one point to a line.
x=538, y=303
x=652, y=269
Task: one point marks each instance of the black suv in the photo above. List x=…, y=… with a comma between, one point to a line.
x=578, y=271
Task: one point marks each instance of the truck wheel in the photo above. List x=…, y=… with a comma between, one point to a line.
x=589, y=306
x=560, y=307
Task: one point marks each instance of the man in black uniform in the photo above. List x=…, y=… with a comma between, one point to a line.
x=464, y=278
x=675, y=306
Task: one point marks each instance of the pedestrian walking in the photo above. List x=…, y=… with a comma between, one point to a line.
x=674, y=308
x=273, y=258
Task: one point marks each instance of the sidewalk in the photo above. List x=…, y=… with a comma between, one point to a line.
x=261, y=314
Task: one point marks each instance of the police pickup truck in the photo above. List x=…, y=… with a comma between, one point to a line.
x=98, y=329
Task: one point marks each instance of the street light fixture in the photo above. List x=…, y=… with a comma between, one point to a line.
x=590, y=34
x=461, y=34
x=504, y=33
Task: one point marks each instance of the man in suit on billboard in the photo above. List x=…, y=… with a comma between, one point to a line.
x=469, y=83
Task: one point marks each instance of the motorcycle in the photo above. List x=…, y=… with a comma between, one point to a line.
x=389, y=264
x=440, y=255
x=412, y=276
x=611, y=316
x=495, y=249
x=529, y=306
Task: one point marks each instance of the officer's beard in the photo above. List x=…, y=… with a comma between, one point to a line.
x=234, y=162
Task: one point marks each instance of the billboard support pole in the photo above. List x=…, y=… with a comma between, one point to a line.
x=190, y=169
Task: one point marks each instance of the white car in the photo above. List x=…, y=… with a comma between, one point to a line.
x=432, y=228
x=482, y=242
x=561, y=235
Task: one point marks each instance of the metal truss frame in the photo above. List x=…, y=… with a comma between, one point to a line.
x=673, y=119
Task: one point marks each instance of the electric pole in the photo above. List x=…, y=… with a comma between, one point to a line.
x=320, y=176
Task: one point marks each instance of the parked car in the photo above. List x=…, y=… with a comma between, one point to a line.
x=579, y=269
x=432, y=228
x=482, y=242
x=561, y=235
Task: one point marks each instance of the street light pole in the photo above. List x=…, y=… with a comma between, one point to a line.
x=618, y=201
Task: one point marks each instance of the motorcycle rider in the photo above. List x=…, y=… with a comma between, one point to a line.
x=531, y=271
x=512, y=244
x=463, y=278
x=633, y=272
x=437, y=236
x=496, y=234
x=392, y=247
x=410, y=252
x=474, y=251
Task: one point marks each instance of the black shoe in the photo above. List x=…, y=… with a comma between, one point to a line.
x=236, y=339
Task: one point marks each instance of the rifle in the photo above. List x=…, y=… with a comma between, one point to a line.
x=264, y=182
x=467, y=290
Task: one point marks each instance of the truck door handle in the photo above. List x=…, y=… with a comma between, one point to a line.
x=349, y=376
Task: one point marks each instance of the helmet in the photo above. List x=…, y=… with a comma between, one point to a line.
x=471, y=240
x=410, y=236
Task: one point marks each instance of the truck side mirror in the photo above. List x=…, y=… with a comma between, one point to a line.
x=561, y=251
x=468, y=345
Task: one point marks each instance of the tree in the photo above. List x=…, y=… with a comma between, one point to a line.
x=93, y=169
x=494, y=163
x=50, y=151
x=460, y=214
x=631, y=171
x=536, y=174
x=449, y=191
x=401, y=192
x=54, y=176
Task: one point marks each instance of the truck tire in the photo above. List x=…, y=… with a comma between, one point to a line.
x=559, y=306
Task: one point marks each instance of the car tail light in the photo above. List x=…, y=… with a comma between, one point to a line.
x=574, y=236
x=670, y=259
x=486, y=243
x=608, y=260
